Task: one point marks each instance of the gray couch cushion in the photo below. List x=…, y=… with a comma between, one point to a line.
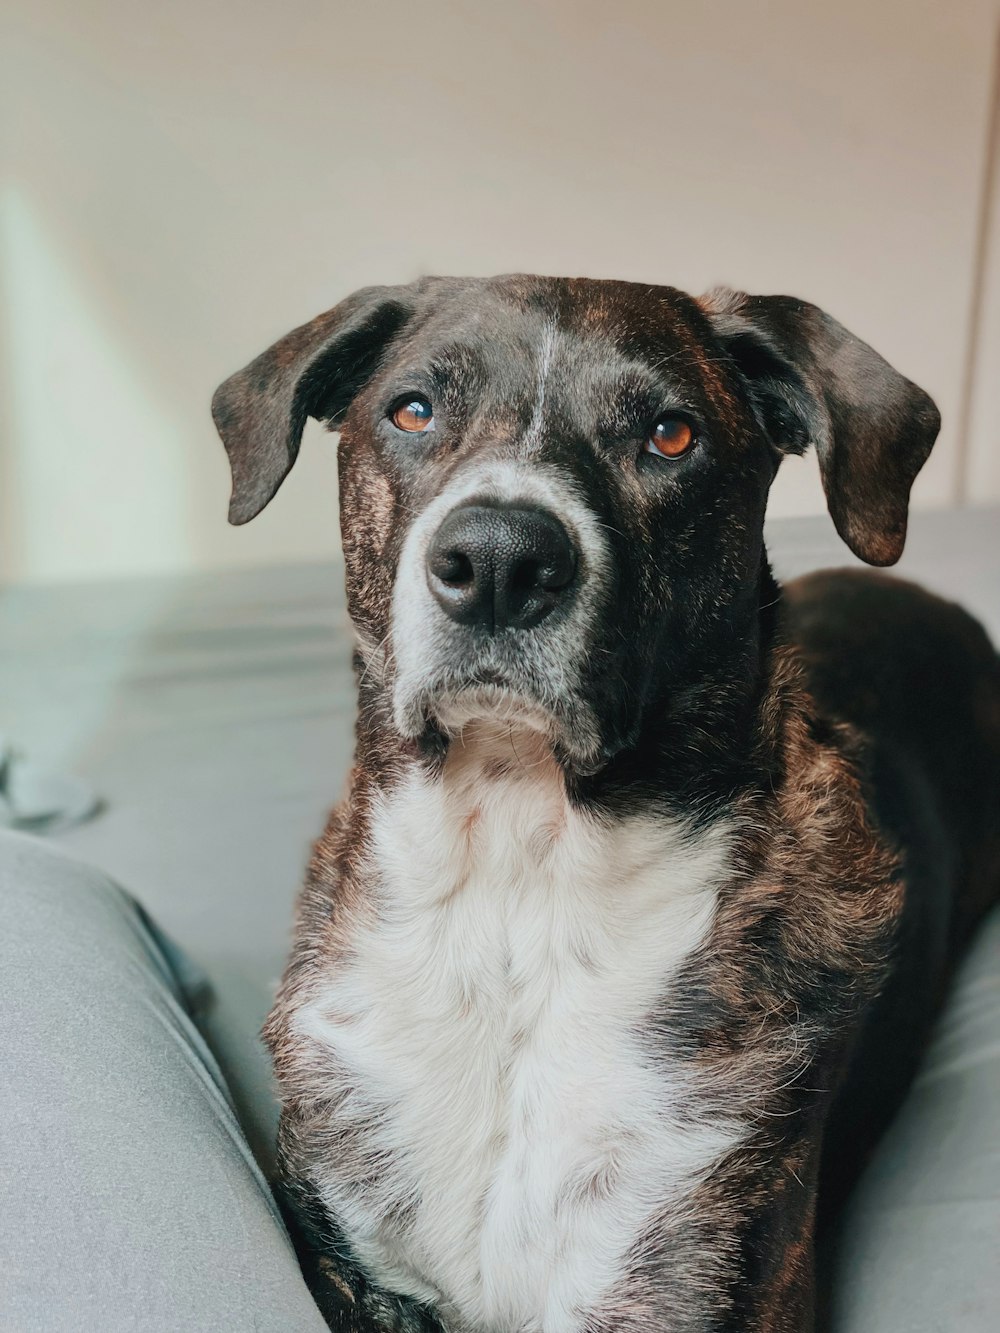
x=919, y=1247
x=129, y=1199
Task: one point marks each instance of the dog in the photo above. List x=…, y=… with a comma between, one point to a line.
x=621, y=948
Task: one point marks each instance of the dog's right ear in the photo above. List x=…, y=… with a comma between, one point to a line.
x=314, y=371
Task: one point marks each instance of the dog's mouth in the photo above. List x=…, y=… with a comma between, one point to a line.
x=443, y=710
x=489, y=700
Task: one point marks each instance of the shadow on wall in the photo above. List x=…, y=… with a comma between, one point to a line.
x=112, y=465
x=84, y=417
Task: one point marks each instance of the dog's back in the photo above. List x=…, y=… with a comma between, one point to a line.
x=918, y=679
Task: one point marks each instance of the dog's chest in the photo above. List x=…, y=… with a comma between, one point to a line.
x=515, y=1127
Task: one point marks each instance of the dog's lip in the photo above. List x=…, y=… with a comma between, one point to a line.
x=497, y=692
x=489, y=678
x=490, y=687
x=473, y=676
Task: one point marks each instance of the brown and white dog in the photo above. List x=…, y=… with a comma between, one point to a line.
x=621, y=947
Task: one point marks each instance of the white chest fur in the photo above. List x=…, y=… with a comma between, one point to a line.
x=488, y=1024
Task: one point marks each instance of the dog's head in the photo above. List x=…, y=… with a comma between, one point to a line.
x=553, y=491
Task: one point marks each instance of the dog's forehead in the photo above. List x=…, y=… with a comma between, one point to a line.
x=594, y=328
x=623, y=313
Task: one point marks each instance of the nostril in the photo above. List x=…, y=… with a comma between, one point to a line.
x=549, y=575
x=527, y=575
x=454, y=568
x=557, y=573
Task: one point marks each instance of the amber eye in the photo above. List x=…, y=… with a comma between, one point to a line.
x=671, y=437
x=413, y=415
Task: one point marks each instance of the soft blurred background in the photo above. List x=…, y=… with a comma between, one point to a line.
x=185, y=182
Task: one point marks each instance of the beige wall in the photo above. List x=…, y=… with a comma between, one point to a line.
x=184, y=182
x=983, y=452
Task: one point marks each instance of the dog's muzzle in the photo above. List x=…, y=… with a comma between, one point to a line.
x=495, y=567
x=499, y=586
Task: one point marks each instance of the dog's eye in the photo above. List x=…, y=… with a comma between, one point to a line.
x=413, y=415
x=671, y=437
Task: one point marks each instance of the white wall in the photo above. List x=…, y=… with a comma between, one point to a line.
x=187, y=181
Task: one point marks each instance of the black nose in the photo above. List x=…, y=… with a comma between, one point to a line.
x=500, y=568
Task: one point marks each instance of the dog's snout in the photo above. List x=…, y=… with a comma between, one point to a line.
x=500, y=567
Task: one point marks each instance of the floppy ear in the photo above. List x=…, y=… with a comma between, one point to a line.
x=812, y=382
x=314, y=371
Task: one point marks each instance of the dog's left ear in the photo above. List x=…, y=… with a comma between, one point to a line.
x=812, y=382
x=314, y=371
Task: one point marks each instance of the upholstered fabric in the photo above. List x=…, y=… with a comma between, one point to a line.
x=129, y=1197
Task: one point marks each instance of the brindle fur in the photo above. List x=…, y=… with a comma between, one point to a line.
x=849, y=725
